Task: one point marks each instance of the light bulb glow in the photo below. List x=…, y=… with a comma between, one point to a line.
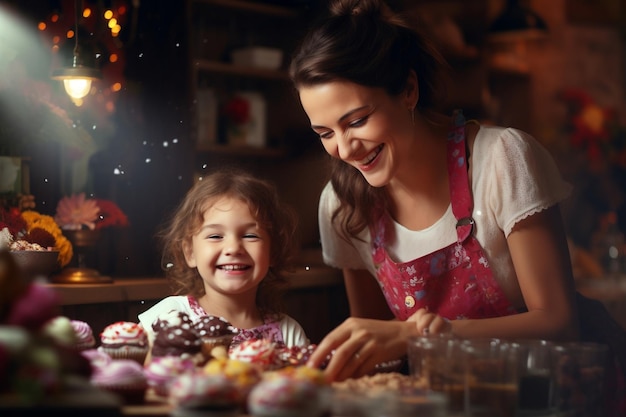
x=77, y=87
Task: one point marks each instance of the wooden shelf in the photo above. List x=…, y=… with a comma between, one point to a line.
x=215, y=29
x=217, y=67
x=256, y=7
x=240, y=151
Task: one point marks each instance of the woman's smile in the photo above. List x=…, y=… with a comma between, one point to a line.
x=365, y=162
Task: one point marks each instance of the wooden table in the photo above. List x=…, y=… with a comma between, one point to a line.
x=157, y=407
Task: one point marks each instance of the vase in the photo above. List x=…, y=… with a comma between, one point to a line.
x=83, y=242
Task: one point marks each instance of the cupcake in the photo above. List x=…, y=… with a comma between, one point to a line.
x=162, y=370
x=61, y=331
x=123, y=377
x=96, y=358
x=215, y=332
x=84, y=335
x=284, y=396
x=173, y=318
x=262, y=353
x=303, y=372
x=175, y=335
x=125, y=340
x=294, y=355
x=198, y=394
x=244, y=375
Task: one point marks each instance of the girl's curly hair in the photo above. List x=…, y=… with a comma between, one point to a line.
x=273, y=216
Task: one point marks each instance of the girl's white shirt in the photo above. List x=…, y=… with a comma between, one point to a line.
x=293, y=333
x=513, y=177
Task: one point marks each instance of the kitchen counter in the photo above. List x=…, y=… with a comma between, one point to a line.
x=152, y=288
x=315, y=298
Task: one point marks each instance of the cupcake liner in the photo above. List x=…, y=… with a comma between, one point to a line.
x=135, y=353
x=210, y=343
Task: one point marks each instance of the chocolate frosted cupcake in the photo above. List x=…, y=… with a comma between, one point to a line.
x=175, y=335
x=216, y=334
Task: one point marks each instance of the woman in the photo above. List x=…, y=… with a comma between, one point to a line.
x=457, y=223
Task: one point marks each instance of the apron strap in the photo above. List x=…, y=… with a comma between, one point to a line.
x=460, y=195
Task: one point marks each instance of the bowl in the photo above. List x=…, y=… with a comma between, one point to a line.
x=34, y=264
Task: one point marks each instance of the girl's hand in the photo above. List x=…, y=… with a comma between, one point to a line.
x=358, y=345
x=430, y=323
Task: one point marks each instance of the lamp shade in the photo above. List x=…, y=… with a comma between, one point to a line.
x=77, y=79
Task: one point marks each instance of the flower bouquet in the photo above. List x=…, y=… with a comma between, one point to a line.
x=34, y=240
x=82, y=220
x=78, y=212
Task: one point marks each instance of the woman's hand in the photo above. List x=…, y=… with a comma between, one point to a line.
x=358, y=345
x=430, y=323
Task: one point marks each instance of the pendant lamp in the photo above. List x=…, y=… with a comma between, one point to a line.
x=77, y=78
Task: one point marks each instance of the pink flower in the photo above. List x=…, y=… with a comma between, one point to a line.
x=76, y=211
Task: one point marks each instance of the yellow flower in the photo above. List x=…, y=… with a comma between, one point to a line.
x=34, y=219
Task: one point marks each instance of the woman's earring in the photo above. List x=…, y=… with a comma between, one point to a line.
x=412, y=111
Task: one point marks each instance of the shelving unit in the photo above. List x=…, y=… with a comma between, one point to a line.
x=215, y=29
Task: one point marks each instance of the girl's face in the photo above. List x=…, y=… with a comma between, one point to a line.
x=365, y=127
x=231, y=251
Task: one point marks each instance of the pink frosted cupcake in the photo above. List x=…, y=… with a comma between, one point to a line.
x=123, y=377
x=283, y=396
x=162, y=370
x=96, y=358
x=198, y=394
x=84, y=335
x=125, y=340
x=262, y=353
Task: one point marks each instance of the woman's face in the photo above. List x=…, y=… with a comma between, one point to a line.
x=363, y=126
x=231, y=250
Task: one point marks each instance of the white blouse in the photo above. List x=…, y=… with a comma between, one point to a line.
x=513, y=177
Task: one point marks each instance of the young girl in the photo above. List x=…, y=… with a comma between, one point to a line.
x=224, y=249
x=441, y=224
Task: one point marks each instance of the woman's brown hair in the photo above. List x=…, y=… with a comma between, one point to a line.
x=364, y=42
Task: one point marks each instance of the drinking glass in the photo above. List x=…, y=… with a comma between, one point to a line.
x=436, y=363
x=492, y=377
x=579, y=376
x=536, y=382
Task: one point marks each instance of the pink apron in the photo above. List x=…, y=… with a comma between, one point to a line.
x=455, y=282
